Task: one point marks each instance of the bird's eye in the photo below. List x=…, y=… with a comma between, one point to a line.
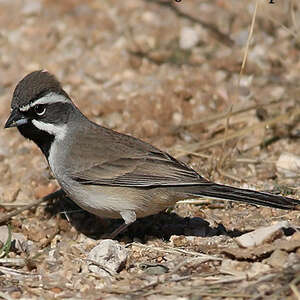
x=40, y=109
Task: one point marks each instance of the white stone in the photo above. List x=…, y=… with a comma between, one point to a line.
x=32, y=7
x=288, y=164
x=260, y=235
x=188, y=38
x=108, y=256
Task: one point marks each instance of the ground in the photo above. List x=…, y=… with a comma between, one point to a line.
x=171, y=74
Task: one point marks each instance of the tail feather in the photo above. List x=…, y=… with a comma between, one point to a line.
x=225, y=192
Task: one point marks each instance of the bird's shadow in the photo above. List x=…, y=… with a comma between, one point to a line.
x=162, y=225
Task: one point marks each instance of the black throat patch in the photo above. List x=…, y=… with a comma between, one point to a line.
x=42, y=138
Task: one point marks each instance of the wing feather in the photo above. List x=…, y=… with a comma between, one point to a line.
x=120, y=160
x=154, y=170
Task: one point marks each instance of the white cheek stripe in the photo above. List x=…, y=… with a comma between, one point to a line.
x=59, y=131
x=48, y=99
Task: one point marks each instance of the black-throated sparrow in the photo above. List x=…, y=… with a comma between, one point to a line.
x=107, y=173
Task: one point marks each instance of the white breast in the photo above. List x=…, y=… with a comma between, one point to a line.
x=54, y=159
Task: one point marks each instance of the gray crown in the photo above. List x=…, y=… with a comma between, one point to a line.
x=34, y=86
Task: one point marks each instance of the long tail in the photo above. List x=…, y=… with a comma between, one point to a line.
x=224, y=192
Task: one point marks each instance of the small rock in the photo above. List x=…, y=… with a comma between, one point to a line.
x=277, y=92
x=154, y=269
x=150, y=18
x=246, y=81
x=177, y=118
x=288, y=164
x=261, y=235
x=109, y=257
x=189, y=38
x=277, y=259
x=32, y=8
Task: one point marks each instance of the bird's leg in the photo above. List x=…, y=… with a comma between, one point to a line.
x=118, y=230
x=129, y=217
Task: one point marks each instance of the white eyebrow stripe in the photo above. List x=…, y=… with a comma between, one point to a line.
x=47, y=99
x=51, y=98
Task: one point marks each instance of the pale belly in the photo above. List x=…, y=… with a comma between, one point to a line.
x=110, y=201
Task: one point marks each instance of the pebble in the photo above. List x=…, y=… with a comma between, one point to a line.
x=109, y=257
x=189, y=38
x=277, y=259
x=32, y=7
x=177, y=118
x=288, y=164
x=261, y=235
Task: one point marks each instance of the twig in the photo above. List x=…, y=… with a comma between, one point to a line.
x=244, y=160
x=49, y=197
x=295, y=290
x=95, y=263
x=283, y=276
x=183, y=292
x=175, y=250
x=13, y=262
x=225, y=174
x=293, y=17
x=223, y=152
x=291, y=32
x=207, y=144
x=227, y=280
x=14, y=204
x=220, y=36
x=294, y=287
x=249, y=39
x=18, y=273
x=214, y=117
x=194, y=201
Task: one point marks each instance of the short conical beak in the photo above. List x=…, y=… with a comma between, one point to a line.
x=15, y=119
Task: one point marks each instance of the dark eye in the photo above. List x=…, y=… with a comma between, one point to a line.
x=40, y=109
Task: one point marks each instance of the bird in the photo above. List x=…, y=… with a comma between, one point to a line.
x=107, y=173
